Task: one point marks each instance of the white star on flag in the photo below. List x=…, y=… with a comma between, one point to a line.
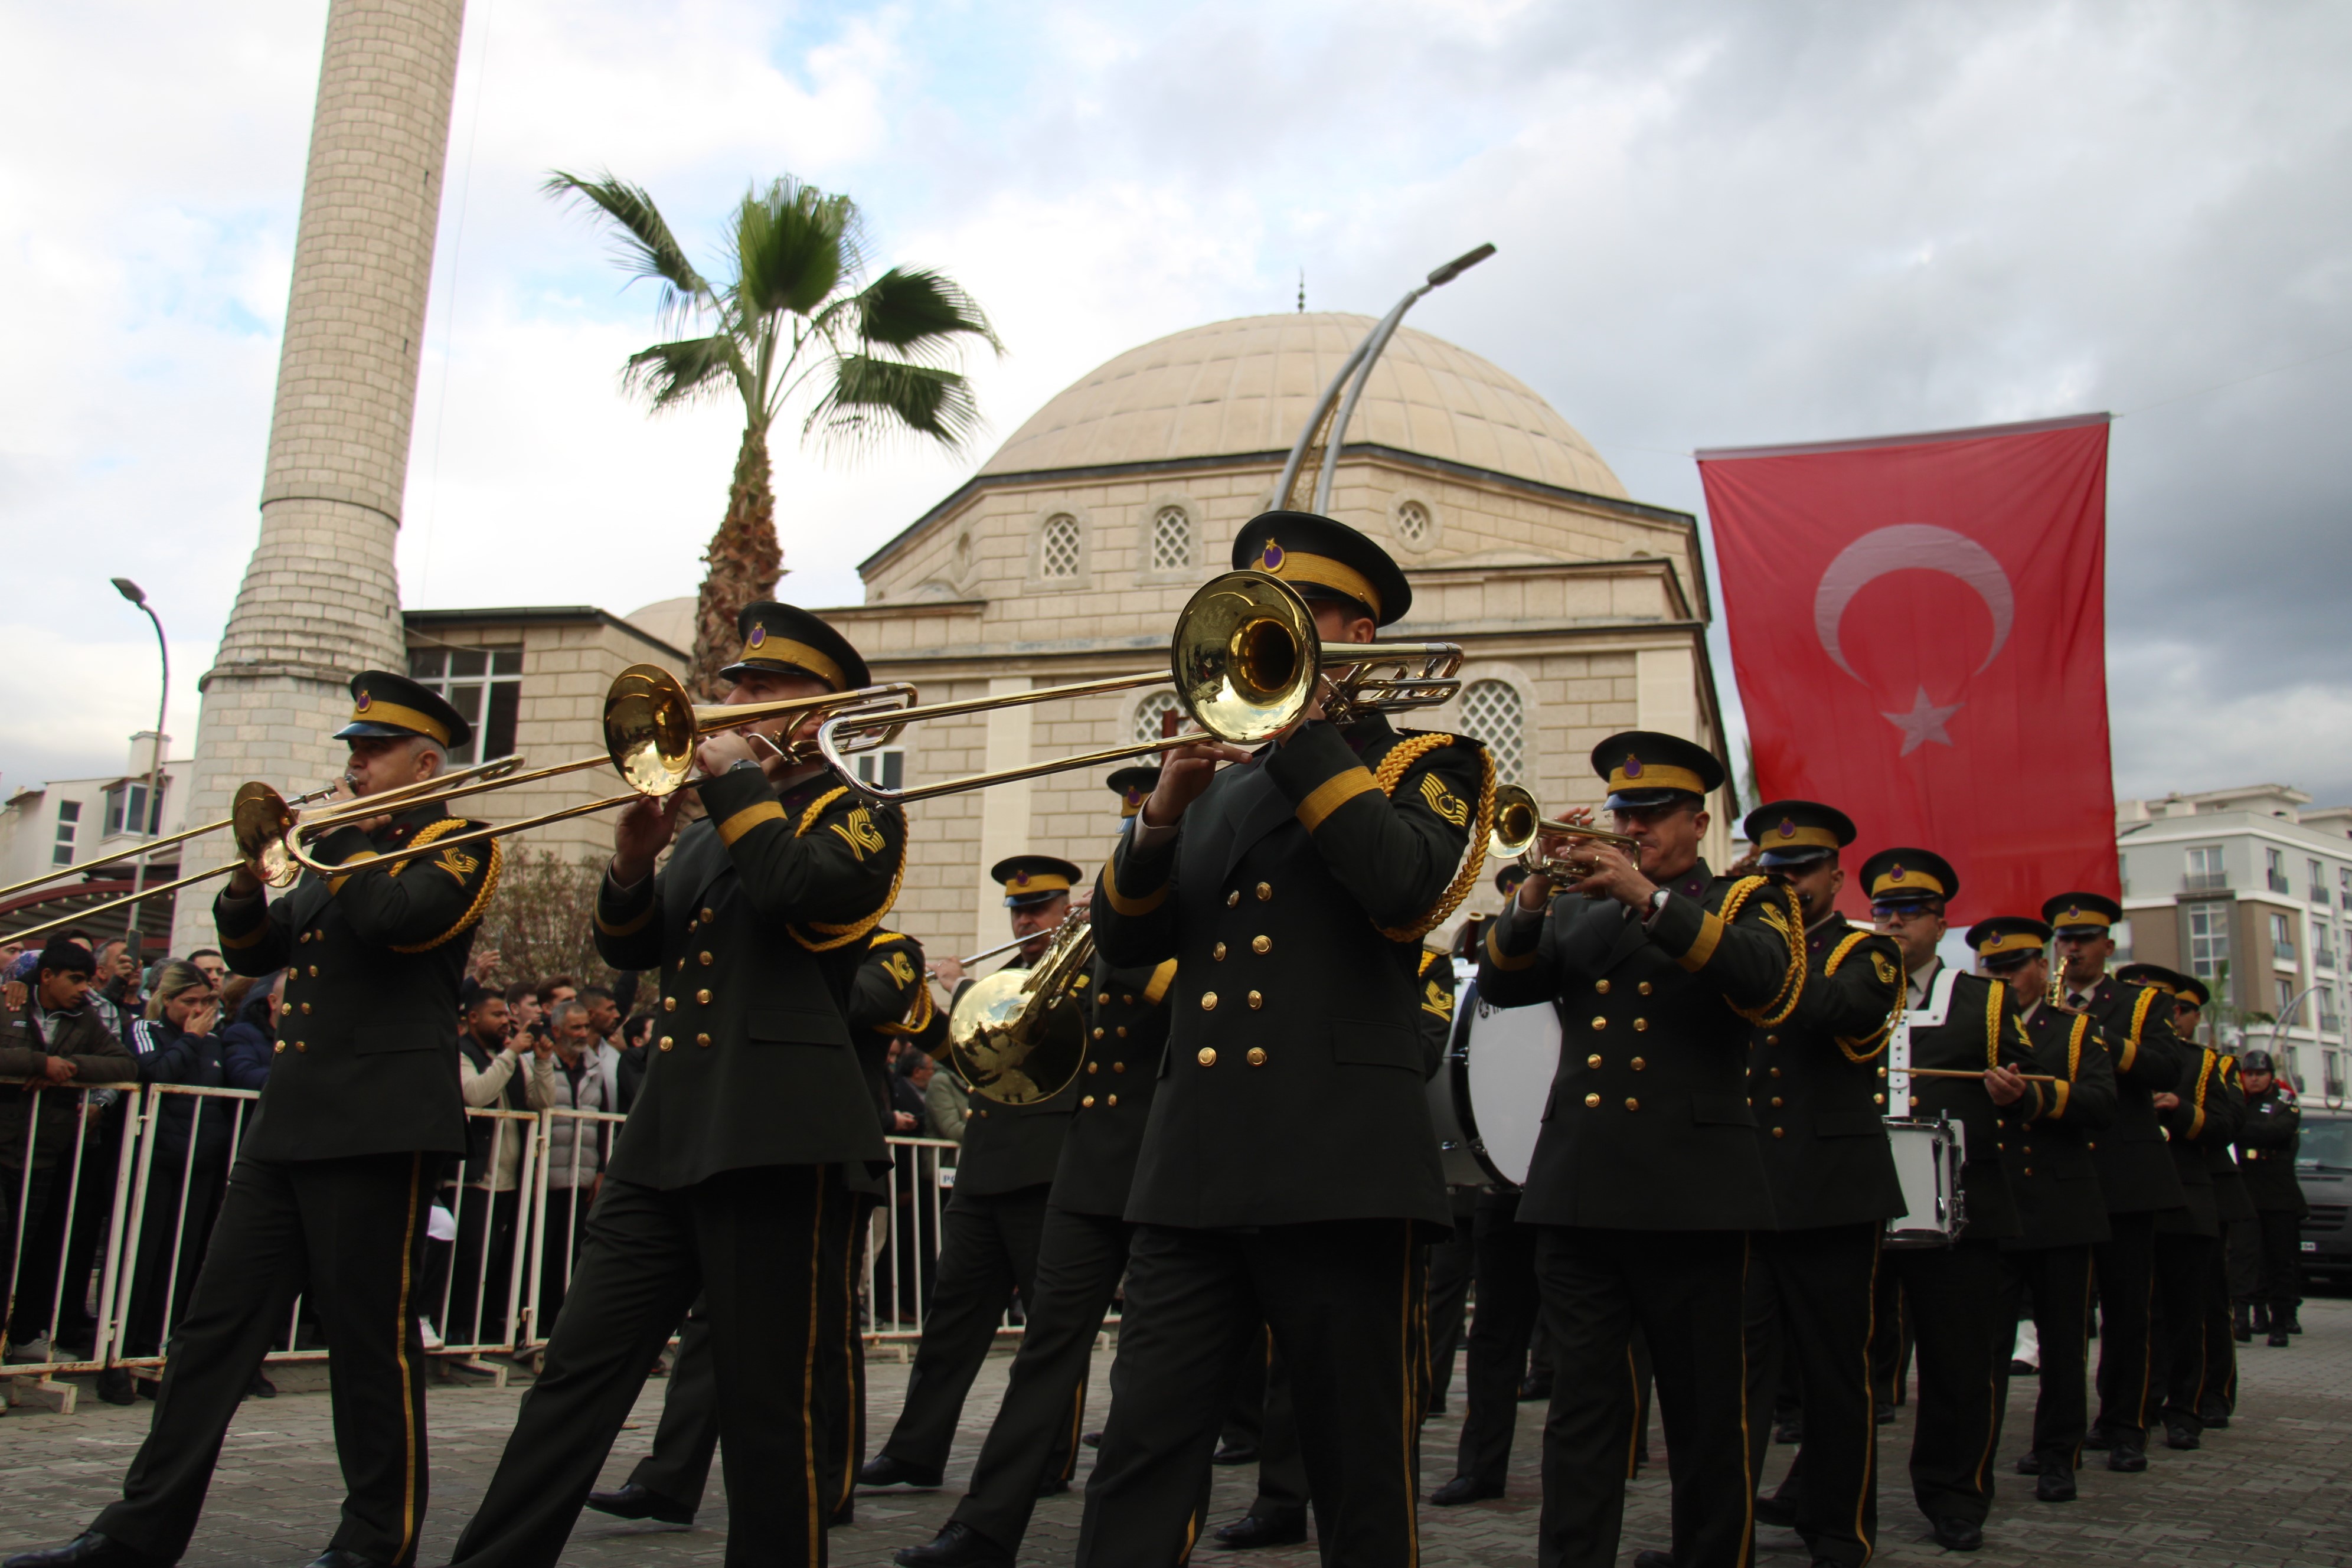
x=1924, y=723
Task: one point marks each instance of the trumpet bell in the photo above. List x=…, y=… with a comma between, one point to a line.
x=649, y=729
x=1246, y=656
x=260, y=820
x=1517, y=820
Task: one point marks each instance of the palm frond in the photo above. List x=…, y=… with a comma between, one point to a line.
x=642, y=238
x=871, y=403
x=922, y=314
x=669, y=375
x=794, y=245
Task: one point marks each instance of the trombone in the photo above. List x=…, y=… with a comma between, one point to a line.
x=1245, y=660
x=147, y=846
x=1520, y=825
x=1020, y=1035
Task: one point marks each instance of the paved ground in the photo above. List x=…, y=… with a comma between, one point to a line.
x=2271, y=1491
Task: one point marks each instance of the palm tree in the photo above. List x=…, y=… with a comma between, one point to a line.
x=872, y=361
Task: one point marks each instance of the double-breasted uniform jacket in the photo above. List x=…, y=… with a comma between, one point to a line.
x=1979, y=1031
x=1814, y=1083
x=2230, y=1195
x=1648, y=1123
x=2208, y=1117
x=1128, y=1029
x=758, y=925
x=890, y=1000
x=1294, y=894
x=2266, y=1146
x=2135, y=1170
x=2050, y=1175
x=366, y=1058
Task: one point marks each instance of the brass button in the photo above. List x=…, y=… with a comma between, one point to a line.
x=706, y=957
x=703, y=997
x=982, y=1114
x=666, y=1042
x=1256, y=1056
x=1095, y=1066
x=1592, y=1103
x=314, y=971
x=1593, y=1061
x=1128, y=1000
x=2025, y=1148
x=1599, y=1022
x=1914, y=1102
x=1256, y=1000
x=1640, y=1024
x=1087, y=1103
x=1102, y=999
x=1208, y=1057
x=1633, y=1104
x=1233, y=897
x=1776, y=1102
x=1118, y=1067
x=1776, y=1072
x=1776, y=1133
x=1112, y=1100
x=1261, y=945
x=304, y=937
x=1208, y=1001
x=1639, y=1064
x=1600, y=987
x=2028, y=1170
x=1099, y=1035
x=1771, y=1039
x=708, y=913
x=690, y=924
x=301, y=1044
x=306, y=1009
x=702, y=1039
x=1643, y=989
x=280, y=1048
x=1217, y=952
x=1264, y=892
x=681, y=964
x=1122, y=1031
x=2087, y=1144
x=669, y=1003
x=1877, y=1100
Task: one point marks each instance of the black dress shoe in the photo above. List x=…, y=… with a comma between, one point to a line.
x=1788, y=1432
x=2278, y=1340
x=1092, y=1440
x=884, y=1470
x=2023, y=1369
x=2213, y=1418
x=1251, y=1530
x=2181, y=1435
x=1886, y=1416
x=2293, y=1321
x=343, y=1557
x=114, y=1386
x=633, y=1501
x=1234, y=1454
x=87, y=1550
x=259, y=1389
x=957, y=1546
x=1465, y=1488
x=1652, y=1557
x=2056, y=1485
x=1533, y=1387
x=2029, y=1464
x=1958, y=1535
x=2127, y=1456
x=1772, y=1510
x=2096, y=1440
x=1053, y=1486
x=845, y=1514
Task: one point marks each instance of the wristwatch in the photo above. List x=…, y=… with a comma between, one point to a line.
x=1658, y=901
x=740, y=763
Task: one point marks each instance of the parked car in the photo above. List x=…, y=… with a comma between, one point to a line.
x=2322, y=1165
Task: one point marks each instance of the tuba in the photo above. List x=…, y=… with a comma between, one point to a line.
x=1020, y=1035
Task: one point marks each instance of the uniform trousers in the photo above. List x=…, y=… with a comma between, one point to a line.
x=1080, y=1258
x=2185, y=1266
x=1686, y=1291
x=2280, y=1281
x=2123, y=1270
x=348, y=1236
x=1508, y=1305
x=2054, y=1282
x=1950, y=1298
x=1452, y=1263
x=988, y=1250
x=1343, y=1300
x=1283, y=1492
x=2220, y=1396
x=1822, y=1282
x=761, y=1245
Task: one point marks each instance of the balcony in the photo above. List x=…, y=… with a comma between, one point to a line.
x=2277, y=882
x=2217, y=882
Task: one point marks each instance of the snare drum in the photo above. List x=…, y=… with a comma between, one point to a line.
x=1486, y=1100
x=1927, y=1159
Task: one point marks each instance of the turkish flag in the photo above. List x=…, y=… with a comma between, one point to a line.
x=1919, y=629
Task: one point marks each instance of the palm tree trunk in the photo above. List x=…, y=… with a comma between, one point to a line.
x=745, y=561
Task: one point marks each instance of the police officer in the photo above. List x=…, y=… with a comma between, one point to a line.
x=2137, y=1176
x=1950, y=1296
x=1833, y=1185
x=1080, y=1255
x=1646, y=1181
x=2048, y=1268
x=1289, y=1174
x=2266, y=1146
x=990, y=1234
x=334, y=1175
x=726, y=1181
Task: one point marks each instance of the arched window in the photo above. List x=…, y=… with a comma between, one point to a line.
x=1057, y=548
x=1492, y=712
x=1148, y=712
x=1171, y=540
x=1411, y=524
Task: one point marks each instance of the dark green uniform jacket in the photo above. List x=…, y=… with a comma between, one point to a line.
x=1294, y=894
x=1129, y=1023
x=2266, y=1146
x=1436, y=1014
x=2209, y=1116
x=2135, y=1172
x=1979, y=1031
x=757, y=924
x=1649, y=1124
x=1813, y=1080
x=2049, y=1164
x=890, y=1000
x=366, y=1061
x=2230, y=1194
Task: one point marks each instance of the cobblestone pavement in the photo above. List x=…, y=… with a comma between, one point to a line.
x=2271, y=1490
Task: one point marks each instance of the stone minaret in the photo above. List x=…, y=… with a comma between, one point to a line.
x=321, y=599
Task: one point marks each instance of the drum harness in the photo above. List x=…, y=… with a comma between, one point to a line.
x=1898, y=1046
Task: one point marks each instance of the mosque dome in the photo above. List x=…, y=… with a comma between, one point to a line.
x=1248, y=385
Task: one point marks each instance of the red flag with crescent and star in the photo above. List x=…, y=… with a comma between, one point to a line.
x=1918, y=629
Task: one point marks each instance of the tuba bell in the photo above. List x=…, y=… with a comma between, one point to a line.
x=1020, y=1035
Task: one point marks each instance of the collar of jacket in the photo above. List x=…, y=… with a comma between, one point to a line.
x=404, y=824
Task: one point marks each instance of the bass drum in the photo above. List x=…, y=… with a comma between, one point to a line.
x=1486, y=1100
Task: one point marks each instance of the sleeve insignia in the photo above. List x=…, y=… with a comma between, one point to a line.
x=1774, y=918
x=457, y=863
x=901, y=968
x=1883, y=967
x=859, y=833
x=1432, y=790
x=1438, y=1000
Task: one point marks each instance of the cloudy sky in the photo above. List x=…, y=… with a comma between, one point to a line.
x=1719, y=225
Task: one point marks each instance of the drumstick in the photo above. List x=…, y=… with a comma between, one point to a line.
x=1966, y=1072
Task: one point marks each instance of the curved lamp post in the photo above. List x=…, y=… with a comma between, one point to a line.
x=152, y=814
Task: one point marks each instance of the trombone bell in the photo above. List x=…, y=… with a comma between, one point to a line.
x=1020, y=1035
x=1245, y=656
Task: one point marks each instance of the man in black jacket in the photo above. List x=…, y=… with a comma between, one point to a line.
x=2203, y=1116
x=338, y=1168
x=2266, y=1146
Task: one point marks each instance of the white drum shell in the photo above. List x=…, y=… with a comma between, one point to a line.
x=1928, y=1159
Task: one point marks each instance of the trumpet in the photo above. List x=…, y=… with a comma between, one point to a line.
x=1020, y=1035
x=1520, y=826
x=1246, y=661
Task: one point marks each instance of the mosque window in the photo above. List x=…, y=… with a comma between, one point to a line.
x=1492, y=712
x=1148, y=712
x=1057, y=548
x=1171, y=540
x=1413, y=524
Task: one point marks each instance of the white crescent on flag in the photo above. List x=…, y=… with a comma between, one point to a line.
x=1910, y=547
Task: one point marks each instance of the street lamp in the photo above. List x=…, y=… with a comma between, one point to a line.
x=151, y=813
x=2291, y=1010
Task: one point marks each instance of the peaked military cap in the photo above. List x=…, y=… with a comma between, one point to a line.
x=1134, y=786
x=2182, y=987
x=2005, y=941
x=385, y=706
x=791, y=641
x=2082, y=914
x=1032, y=879
x=1909, y=877
x=1644, y=769
x=1797, y=832
x=1323, y=559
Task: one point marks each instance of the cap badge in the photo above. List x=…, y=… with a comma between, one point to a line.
x=1020, y=879
x=1270, y=557
x=2073, y=914
x=1134, y=797
x=1787, y=827
x=1633, y=766
x=365, y=700
x=1895, y=873
x=758, y=636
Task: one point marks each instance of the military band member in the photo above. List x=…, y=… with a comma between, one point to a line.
x=1646, y=1181
x=1815, y=1083
x=1289, y=1174
x=1081, y=1254
x=1950, y=1296
x=333, y=1177
x=2048, y=1268
x=2266, y=1149
x=727, y=1181
x=2137, y=1176
x=989, y=1233
x=2203, y=1116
